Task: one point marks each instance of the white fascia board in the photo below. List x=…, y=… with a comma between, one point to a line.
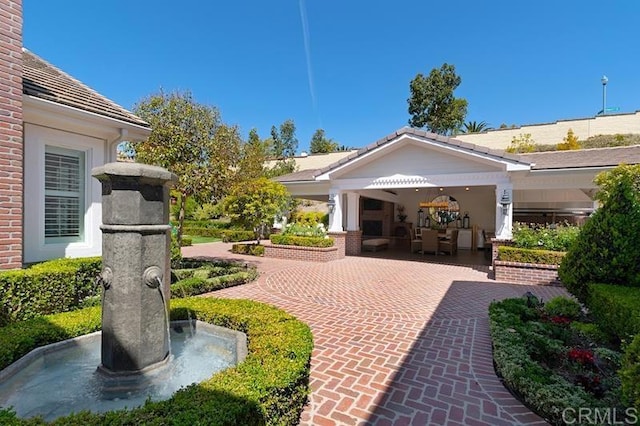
x=51, y=114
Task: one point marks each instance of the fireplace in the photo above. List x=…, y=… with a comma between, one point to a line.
x=372, y=228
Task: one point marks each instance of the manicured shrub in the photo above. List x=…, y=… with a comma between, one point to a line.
x=630, y=373
x=523, y=255
x=186, y=241
x=294, y=240
x=616, y=309
x=200, y=276
x=231, y=236
x=269, y=388
x=310, y=218
x=55, y=286
x=562, y=306
x=607, y=249
x=249, y=248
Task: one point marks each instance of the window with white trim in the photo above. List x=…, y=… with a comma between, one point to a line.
x=63, y=195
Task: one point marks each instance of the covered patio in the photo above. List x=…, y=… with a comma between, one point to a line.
x=413, y=179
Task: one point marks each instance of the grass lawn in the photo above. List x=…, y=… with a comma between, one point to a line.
x=200, y=240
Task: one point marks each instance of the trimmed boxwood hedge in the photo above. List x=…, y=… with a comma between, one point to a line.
x=227, y=235
x=295, y=240
x=617, y=308
x=269, y=388
x=524, y=255
x=49, y=287
x=250, y=249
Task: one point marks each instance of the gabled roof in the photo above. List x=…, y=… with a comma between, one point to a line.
x=42, y=80
x=421, y=134
x=311, y=174
x=583, y=158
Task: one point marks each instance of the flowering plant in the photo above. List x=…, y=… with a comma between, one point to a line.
x=581, y=356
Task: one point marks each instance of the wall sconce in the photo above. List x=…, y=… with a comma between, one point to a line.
x=331, y=204
x=505, y=202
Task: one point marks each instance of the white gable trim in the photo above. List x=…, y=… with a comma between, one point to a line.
x=454, y=150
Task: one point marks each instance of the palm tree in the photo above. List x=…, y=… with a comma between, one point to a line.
x=475, y=127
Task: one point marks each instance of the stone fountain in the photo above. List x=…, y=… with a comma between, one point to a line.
x=134, y=362
x=136, y=238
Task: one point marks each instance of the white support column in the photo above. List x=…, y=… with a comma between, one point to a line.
x=335, y=217
x=504, y=217
x=353, y=210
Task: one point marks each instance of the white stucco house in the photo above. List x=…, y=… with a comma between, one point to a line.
x=53, y=131
x=411, y=167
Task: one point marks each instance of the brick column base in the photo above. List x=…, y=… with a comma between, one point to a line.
x=339, y=239
x=353, y=243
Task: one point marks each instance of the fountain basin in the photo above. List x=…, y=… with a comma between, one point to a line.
x=61, y=378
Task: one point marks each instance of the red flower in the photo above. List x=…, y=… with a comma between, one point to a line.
x=582, y=356
x=558, y=319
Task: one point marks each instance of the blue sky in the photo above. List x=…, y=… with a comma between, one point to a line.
x=345, y=65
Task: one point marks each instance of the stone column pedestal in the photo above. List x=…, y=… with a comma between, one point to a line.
x=136, y=269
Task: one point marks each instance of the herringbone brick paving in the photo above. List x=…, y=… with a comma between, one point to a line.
x=397, y=342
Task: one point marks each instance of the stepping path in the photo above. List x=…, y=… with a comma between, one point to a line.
x=397, y=342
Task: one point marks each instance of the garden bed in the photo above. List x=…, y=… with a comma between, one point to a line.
x=554, y=358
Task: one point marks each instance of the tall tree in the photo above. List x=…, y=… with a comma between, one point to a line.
x=188, y=139
x=284, y=142
x=432, y=104
x=253, y=157
x=320, y=144
x=282, y=148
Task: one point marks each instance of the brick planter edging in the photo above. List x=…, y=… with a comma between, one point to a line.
x=526, y=273
x=314, y=254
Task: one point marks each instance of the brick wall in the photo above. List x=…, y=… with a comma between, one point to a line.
x=340, y=243
x=11, y=135
x=526, y=273
x=353, y=243
x=310, y=254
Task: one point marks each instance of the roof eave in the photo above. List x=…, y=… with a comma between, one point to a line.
x=37, y=109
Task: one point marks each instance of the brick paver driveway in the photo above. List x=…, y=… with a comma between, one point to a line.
x=396, y=342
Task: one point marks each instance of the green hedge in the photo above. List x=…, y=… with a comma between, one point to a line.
x=523, y=255
x=226, y=235
x=270, y=387
x=617, y=308
x=198, y=285
x=294, y=240
x=212, y=224
x=45, y=288
x=250, y=249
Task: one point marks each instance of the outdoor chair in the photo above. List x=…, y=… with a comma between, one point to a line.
x=449, y=245
x=416, y=240
x=429, y=241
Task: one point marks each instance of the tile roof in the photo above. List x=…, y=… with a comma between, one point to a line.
x=595, y=157
x=302, y=175
x=43, y=80
x=550, y=160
